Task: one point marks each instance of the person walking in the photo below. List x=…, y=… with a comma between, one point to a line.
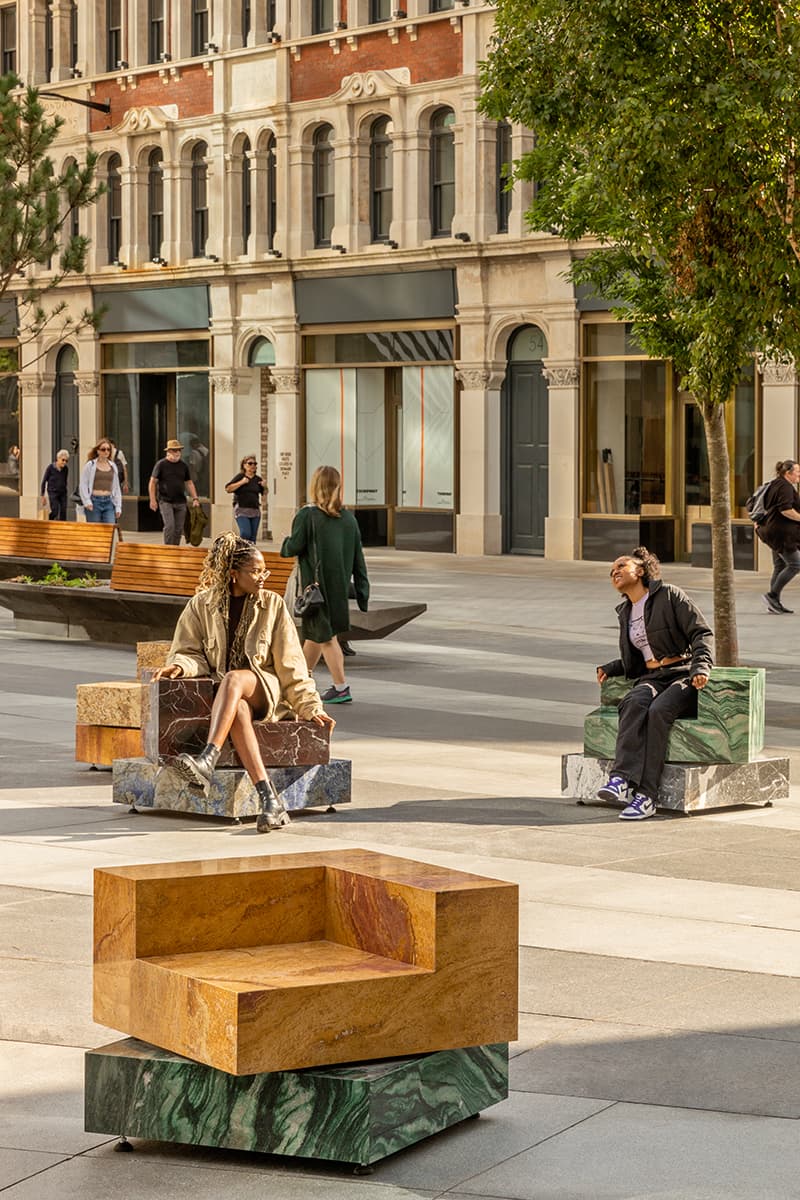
x=99, y=488
x=242, y=635
x=666, y=646
x=169, y=482
x=247, y=488
x=326, y=541
x=54, y=487
x=121, y=463
x=781, y=532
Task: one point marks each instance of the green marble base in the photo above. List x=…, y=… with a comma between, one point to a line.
x=729, y=727
x=357, y=1114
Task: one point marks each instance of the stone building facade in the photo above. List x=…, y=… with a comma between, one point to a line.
x=305, y=249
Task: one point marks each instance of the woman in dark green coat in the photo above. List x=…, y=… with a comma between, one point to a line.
x=326, y=541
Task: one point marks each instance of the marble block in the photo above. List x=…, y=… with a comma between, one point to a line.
x=729, y=727
x=355, y=1114
x=151, y=655
x=688, y=787
x=140, y=782
x=110, y=704
x=176, y=719
x=103, y=744
x=277, y=962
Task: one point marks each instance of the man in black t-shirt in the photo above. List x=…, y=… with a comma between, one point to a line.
x=169, y=482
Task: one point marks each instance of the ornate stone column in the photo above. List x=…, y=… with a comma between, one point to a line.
x=227, y=385
x=780, y=427
x=34, y=437
x=479, y=523
x=562, y=527
x=287, y=488
x=88, y=385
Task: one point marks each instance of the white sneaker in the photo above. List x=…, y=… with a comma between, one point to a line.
x=640, y=808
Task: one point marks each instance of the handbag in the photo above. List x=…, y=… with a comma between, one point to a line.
x=311, y=597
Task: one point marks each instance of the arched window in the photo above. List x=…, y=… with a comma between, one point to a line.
x=73, y=223
x=155, y=204
x=272, y=193
x=261, y=354
x=443, y=172
x=247, y=212
x=65, y=402
x=380, y=179
x=114, y=206
x=199, y=200
x=323, y=186
x=503, y=174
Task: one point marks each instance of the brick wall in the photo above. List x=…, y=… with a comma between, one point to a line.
x=193, y=94
x=436, y=54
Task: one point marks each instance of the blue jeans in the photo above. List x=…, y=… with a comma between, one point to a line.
x=248, y=527
x=102, y=511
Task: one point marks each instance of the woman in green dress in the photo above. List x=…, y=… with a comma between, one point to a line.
x=326, y=541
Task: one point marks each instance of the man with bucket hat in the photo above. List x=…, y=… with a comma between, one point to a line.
x=170, y=480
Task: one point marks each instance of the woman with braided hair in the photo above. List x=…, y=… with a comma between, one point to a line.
x=240, y=634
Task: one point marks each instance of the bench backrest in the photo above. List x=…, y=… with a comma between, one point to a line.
x=175, y=570
x=56, y=541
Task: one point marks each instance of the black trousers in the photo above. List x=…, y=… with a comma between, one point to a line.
x=646, y=715
x=58, y=506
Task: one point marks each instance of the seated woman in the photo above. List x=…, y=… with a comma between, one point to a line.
x=240, y=634
x=667, y=647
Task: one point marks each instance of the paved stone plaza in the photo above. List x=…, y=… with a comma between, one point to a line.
x=659, y=1051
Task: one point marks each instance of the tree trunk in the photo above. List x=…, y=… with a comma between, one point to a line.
x=725, y=636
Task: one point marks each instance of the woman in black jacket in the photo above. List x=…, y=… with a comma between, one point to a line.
x=247, y=488
x=666, y=645
x=54, y=487
x=781, y=531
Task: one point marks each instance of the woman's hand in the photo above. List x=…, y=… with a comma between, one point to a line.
x=699, y=682
x=88, y=507
x=171, y=672
x=324, y=720
x=601, y=675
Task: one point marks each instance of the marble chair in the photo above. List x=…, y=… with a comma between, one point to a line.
x=283, y=962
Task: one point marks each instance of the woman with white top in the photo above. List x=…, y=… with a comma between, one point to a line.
x=99, y=487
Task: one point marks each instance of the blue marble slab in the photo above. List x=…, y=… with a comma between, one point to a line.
x=144, y=784
x=688, y=787
x=729, y=727
x=358, y=1114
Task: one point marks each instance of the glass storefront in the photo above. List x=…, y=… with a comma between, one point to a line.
x=389, y=428
x=153, y=391
x=10, y=456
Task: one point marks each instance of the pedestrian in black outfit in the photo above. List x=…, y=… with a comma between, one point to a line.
x=54, y=487
x=247, y=488
x=170, y=480
x=781, y=531
x=666, y=645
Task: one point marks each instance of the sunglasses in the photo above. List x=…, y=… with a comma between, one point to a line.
x=108, y=448
x=250, y=462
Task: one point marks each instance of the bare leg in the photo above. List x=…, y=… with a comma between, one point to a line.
x=312, y=652
x=334, y=660
x=235, y=687
x=245, y=742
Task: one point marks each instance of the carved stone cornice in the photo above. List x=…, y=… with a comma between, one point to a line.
x=148, y=119
x=87, y=383
x=777, y=372
x=364, y=85
x=478, y=378
x=285, y=379
x=30, y=386
x=225, y=382
x=562, y=375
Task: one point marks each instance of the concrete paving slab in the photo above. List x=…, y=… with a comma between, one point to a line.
x=41, y=1099
x=756, y=1076
x=50, y=1003
x=632, y=1152
x=16, y=1165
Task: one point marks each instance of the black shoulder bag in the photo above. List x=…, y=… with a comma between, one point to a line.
x=311, y=597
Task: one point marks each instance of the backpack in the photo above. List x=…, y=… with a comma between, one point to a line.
x=755, y=504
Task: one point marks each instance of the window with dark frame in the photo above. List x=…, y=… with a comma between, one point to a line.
x=323, y=186
x=272, y=194
x=271, y=15
x=114, y=206
x=113, y=34
x=246, y=21
x=155, y=203
x=503, y=174
x=247, y=200
x=48, y=41
x=73, y=35
x=155, y=30
x=379, y=10
x=199, y=26
x=380, y=179
x=199, y=200
x=321, y=16
x=8, y=38
x=441, y=5
x=443, y=172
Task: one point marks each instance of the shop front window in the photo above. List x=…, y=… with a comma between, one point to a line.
x=426, y=438
x=346, y=423
x=625, y=406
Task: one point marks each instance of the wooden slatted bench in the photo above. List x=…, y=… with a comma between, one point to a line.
x=175, y=570
x=31, y=547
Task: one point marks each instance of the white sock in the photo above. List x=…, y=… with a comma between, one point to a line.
x=341, y=687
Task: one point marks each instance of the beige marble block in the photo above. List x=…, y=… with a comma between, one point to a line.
x=118, y=704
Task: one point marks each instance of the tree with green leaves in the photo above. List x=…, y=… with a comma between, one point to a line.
x=667, y=134
x=37, y=204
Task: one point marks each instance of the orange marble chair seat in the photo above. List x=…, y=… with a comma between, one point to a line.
x=288, y=961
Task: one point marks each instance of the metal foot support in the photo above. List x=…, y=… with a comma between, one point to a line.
x=123, y=1146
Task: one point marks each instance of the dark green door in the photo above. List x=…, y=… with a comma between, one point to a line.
x=528, y=457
